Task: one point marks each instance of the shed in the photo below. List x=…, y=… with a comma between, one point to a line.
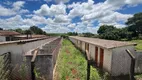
x=109, y=55
x=7, y=35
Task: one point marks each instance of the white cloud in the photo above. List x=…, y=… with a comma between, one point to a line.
x=12, y=23
x=61, y=19
x=23, y=11
x=7, y=3
x=15, y=10
x=55, y=18
x=6, y=11
x=53, y=10
x=17, y=5
x=72, y=25
x=123, y=2
x=79, y=9
x=56, y=29
x=57, y=1
x=47, y=1
x=62, y=1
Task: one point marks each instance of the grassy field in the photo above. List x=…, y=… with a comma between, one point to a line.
x=71, y=64
x=139, y=44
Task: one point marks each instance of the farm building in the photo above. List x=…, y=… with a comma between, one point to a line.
x=7, y=35
x=109, y=55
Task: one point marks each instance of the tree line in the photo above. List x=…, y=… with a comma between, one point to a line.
x=133, y=29
x=31, y=30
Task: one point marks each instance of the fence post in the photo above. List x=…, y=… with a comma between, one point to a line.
x=132, y=67
x=33, y=64
x=88, y=64
x=32, y=71
x=88, y=69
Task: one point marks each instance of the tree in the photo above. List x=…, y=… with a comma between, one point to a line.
x=1, y=28
x=19, y=30
x=36, y=30
x=28, y=32
x=72, y=33
x=135, y=24
x=113, y=33
x=105, y=28
x=88, y=34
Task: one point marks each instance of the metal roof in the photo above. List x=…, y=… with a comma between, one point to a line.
x=8, y=33
x=104, y=43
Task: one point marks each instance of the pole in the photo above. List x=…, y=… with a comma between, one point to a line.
x=32, y=71
x=88, y=69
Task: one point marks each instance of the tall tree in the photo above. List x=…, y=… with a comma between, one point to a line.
x=135, y=24
x=19, y=30
x=36, y=30
x=105, y=28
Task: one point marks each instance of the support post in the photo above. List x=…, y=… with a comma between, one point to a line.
x=88, y=64
x=33, y=64
x=132, y=67
x=32, y=71
x=88, y=69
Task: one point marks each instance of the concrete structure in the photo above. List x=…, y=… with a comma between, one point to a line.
x=7, y=35
x=22, y=37
x=108, y=54
x=19, y=48
x=45, y=59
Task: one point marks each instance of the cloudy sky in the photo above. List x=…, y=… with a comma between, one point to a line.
x=62, y=16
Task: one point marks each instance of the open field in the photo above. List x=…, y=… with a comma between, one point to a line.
x=71, y=64
x=139, y=44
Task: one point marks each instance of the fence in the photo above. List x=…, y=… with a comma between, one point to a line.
x=5, y=68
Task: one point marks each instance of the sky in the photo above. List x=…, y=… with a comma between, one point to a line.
x=61, y=16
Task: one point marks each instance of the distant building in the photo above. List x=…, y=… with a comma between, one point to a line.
x=22, y=37
x=7, y=35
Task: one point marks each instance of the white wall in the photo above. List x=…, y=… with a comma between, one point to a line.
x=107, y=60
x=18, y=50
x=2, y=38
x=92, y=51
x=107, y=54
x=121, y=60
x=83, y=46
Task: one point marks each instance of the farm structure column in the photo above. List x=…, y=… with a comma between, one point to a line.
x=109, y=55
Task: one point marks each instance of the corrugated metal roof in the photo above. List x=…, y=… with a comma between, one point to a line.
x=8, y=33
x=103, y=43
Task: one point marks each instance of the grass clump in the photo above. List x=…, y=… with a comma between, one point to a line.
x=72, y=65
x=139, y=44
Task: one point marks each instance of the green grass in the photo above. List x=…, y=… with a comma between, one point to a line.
x=71, y=64
x=139, y=44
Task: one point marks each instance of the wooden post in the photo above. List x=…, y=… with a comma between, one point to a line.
x=88, y=64
x=33, y=64
x=132, y=67
x=32, y=71
x=88, y=69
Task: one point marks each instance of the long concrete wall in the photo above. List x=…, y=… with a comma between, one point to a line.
x=19, y=48
x=121, y=61
x=45, y=59
x=116, y=60
x=107, y=53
